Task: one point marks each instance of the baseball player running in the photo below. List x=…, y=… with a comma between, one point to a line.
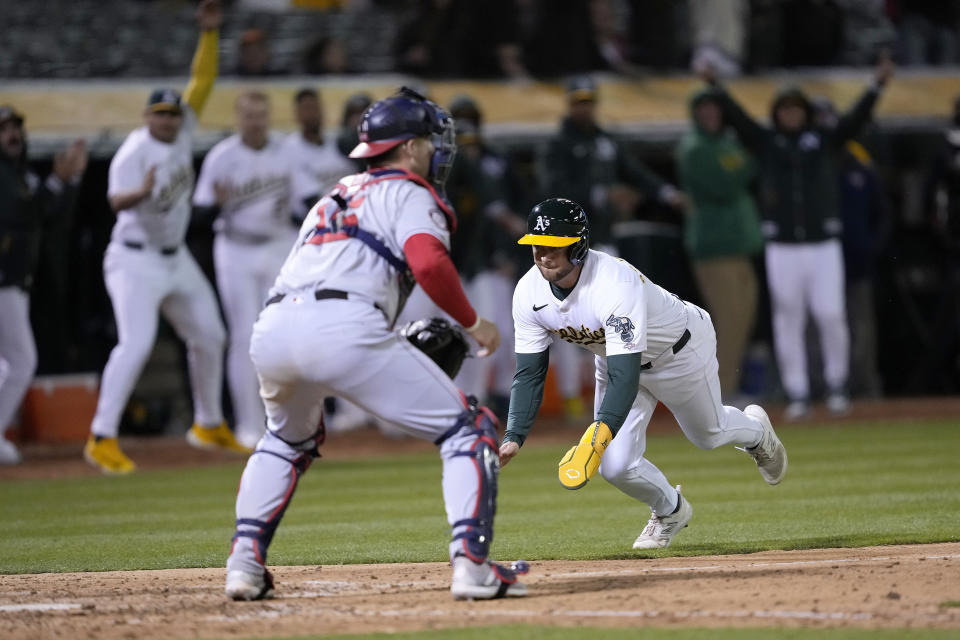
x=147, y=269
x=327, y=330
x=648, y=345
x=245, y=184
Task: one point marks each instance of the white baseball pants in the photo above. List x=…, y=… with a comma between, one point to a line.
x=303, y=350
x=688, y=384
x=802, y=277
x=492, y=295
x=245, y=272
x=18, y=352
x=142, y=282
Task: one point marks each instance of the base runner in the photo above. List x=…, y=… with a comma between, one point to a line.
x=648, y=346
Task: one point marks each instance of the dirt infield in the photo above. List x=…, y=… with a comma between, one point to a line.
x=874, y=587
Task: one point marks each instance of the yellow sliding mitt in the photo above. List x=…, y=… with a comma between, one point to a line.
x=582, y=461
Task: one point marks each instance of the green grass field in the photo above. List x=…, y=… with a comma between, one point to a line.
x=848, y=485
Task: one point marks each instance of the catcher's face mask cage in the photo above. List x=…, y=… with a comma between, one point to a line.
x=559, y=222
x=445, y=147
x=388, y=122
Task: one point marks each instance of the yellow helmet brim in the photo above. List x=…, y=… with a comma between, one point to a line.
x=548, y=241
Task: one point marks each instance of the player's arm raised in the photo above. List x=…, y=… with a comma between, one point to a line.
x=203, y=69
x=434, y=271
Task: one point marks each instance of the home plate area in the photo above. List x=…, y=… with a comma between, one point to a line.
x=875, y=587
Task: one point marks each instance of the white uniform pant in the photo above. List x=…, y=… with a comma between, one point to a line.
x=245, y=272
x=142, y=282
x=688, y=384
x=808, y=277
x=492, y=295
x=304, y=350
x=18, y=352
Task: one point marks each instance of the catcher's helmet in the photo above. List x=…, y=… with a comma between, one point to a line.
x=559, y=222
x=405, y=115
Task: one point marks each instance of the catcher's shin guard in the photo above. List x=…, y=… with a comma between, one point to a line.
x=473, y=439
x=582, y=461
x=266, y=489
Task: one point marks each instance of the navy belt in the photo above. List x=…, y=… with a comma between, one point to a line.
x=677, y=346
x=319, y=294
x=139, y=246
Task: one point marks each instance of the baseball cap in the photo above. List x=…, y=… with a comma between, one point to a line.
x=582, y=88
x=9, y=113
x=164, y=100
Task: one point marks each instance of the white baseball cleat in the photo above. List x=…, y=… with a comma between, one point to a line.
x=660, y=530
x=769, y=454
x=796, y=410
x=472, y=581
x=249, y=586
x=838, y=404
x=8, y=452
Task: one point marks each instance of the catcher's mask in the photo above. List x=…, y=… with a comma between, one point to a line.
x=405, y=115
x=559, y=222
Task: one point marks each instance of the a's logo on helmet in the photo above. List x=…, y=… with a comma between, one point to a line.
x=542, y=224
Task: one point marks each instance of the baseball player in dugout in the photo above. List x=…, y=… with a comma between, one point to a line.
x=147, y=268
x=245, y=186
x=26, y=203
x=802, y=226
x=316, y=161
x=648, y=346
x=327, y=330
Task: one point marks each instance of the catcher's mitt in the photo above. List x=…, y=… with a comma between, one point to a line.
x=443, y=342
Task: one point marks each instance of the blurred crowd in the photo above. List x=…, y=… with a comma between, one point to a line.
x=461, y=38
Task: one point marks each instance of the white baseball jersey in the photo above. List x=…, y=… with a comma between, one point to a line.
x=159, y=221
x=258, y=183
x=316, y=168
x=304, y=349
x=614, y=309
x=393, y=210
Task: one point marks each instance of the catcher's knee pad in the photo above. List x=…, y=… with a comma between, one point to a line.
x=474, y=437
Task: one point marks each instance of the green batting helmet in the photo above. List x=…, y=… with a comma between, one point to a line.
x=558, y=222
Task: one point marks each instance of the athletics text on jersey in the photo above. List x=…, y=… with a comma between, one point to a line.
x=258, y=185
x=160, y=220
x=614, y=309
